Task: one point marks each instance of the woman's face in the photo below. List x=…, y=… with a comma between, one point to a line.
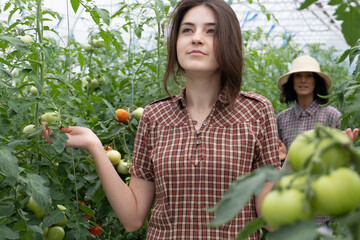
x=304, y=83
x=195, y=43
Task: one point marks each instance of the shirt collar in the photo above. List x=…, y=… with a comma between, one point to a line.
x=311, y=109
x=182, y=102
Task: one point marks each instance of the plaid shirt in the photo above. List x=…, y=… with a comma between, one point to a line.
x=193, y=169
x=295, y=120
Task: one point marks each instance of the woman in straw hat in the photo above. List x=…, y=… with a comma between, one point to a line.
x=304, y=84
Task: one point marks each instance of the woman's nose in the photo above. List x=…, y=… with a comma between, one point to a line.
x=197, y=38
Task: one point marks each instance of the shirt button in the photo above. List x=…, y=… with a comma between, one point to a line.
x=198, y=131
x=198, y=142
x=204, y=123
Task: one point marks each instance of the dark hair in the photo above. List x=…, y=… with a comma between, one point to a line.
x=228, y=54
x=289, y=95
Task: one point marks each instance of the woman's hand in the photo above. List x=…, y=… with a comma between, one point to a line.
x=352, y=134
x=79, y=137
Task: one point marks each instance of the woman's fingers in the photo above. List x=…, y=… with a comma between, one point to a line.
x=46, y=133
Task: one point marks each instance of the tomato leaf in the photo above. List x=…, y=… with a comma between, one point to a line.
x=59, y=140
x=250, y=228
x=8, y=165
x=306, y=4
x=38, y=189
x=75, y=5
x=350, y=30
x=53, y=218
x=241, y=191
x=299, y=231
x=8, y=233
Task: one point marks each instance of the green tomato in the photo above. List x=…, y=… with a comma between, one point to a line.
x=137, y=113
x=337, y=193
x=330, y=149
x=292, y=181
x=28, y=130
x=301, y=149
x=99, y=43
x=55, y=233
x=33, y=90
x=65, y=220
x=284, y=207
x=26, y=39
x=35, y=208
x=123, y=167
x=93, y=84
x=88, y=48
x=114, y=156
x=50, y=117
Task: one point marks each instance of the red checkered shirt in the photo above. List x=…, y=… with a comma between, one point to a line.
x=295, y=120
x=193, y=169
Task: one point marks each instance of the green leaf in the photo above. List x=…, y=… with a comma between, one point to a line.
x=306, y=4
x=59, y=140
x=299, y=231
x=37, y=187
x=104, y=14
x=250, y=228
x=343, y=56
x=8, y=233
x=350, y=30
x=160, y=4
x=75, y=5
x=173, y=3
x=8, y=165
x=334, y=2
x=53, y=218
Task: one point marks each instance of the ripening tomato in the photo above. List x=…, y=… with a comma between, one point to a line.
x=95, y=230
x=337, y=193
x=114, y=156
x=107, y=148
x=122, y=115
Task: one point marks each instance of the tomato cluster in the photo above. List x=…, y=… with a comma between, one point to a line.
x=323, y=181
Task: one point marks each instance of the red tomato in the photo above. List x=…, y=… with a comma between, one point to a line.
x=96, y=230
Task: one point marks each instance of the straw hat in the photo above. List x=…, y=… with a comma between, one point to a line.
x=304, y=64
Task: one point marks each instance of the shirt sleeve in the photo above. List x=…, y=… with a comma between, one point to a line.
x=269, y=139
x=141, y=165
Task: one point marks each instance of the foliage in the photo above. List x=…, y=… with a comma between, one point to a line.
x=128, y=73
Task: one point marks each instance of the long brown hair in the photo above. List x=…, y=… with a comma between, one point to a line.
x=227, y=44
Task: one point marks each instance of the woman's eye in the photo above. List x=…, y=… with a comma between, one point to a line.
x=211, y=31
x=186, y=30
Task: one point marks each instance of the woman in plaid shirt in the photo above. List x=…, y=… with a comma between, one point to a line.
x=189, y=148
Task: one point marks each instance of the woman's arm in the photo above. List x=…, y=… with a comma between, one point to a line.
x=131, y=203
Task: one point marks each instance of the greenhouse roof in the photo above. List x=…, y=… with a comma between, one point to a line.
x=313, y=25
